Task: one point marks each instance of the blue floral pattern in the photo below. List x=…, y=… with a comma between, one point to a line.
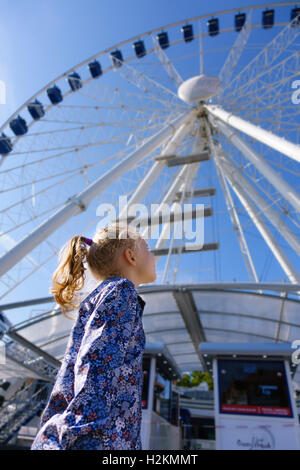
x=95, y=403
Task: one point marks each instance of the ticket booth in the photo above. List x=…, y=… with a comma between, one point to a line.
x=254, y=401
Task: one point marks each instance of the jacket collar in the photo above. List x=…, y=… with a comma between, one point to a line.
x=142, y=302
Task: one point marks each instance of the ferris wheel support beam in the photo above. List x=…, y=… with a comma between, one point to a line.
x=232, y=211
x=238, y=178
x=185, y=186
x=80, y=201
x=274, y=178
x=182, y=181
x=153, y=174
x=158, y=166
x=281, y=257
x=170, y=195
x=179, y=182
x=266, y=137
x=167, y=64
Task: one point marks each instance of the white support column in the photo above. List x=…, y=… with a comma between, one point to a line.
x=79, y=203
x=275, y=179
x=272, y=215
x=261, y=135
x=232, y=211
x=279, y=254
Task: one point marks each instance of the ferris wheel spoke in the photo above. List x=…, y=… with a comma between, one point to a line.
x=61, y=183
x=11, y=282
x=264, y=59
x=59, y=156
x=154, y=93
x=121, y=138
x=236, y=51
x=105, y=107
x=167, y=64
x=149, y=85
x=256, y=105
x=284, y=70
x=38, y=193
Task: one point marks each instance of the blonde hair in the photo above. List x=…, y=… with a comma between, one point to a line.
x=101, y=257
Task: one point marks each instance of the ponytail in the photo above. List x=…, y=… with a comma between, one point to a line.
x=69, y=275
x=101, y=257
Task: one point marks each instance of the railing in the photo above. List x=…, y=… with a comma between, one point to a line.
x=21, y=408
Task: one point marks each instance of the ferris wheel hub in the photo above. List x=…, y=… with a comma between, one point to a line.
x=199, y=88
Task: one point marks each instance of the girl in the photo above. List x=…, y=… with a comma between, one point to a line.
x=96, y=399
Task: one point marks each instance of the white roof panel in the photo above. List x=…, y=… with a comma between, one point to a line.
x=212, y=314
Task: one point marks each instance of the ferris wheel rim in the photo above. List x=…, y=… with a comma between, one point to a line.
x=134, y=38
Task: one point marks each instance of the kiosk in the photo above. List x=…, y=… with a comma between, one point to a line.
x=255, y=407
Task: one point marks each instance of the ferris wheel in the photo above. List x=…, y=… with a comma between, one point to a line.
x=200, y=111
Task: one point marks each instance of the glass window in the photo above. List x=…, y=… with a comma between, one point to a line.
x=253, y=386
x=162, y=396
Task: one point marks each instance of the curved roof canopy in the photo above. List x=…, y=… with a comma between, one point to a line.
x=180, y=317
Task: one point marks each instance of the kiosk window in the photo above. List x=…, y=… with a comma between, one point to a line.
x=253, y=387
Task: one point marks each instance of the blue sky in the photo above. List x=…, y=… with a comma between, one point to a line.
x=42, y=39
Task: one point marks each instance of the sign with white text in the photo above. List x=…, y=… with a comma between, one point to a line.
x=255, y=407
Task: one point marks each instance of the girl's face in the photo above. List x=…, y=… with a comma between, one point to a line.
x=146, y=263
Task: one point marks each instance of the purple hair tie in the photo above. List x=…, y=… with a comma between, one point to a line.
x=88, y=241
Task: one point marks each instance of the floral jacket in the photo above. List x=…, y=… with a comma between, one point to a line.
x=95, y=403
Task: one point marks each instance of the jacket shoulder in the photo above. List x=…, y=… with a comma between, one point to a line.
x=118, y=293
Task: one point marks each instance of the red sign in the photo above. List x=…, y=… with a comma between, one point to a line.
x=260, y=410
